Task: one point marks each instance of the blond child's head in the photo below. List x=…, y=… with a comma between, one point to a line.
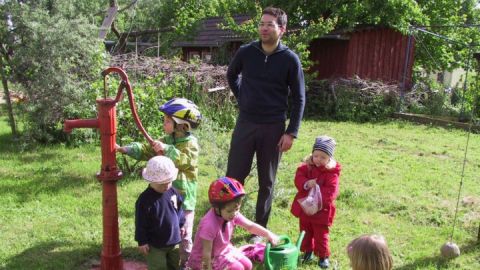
x=181, y=115
x=322, y=152
x=369, y=252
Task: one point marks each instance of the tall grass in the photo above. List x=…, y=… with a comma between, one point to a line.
x=399, y=179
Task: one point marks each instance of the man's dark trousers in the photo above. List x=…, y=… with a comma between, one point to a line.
x=250, y=138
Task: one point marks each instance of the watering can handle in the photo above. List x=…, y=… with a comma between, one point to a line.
x=285, y=239
x=266, y=257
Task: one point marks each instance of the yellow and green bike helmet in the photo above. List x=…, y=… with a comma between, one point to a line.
x=183, y=111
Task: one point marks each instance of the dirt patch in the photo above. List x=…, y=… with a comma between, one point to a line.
x=471, y=201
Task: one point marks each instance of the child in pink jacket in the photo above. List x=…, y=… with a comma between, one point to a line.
x=319, y=169
x=212, y=248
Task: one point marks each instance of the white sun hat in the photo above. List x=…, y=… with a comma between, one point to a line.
x=160, y=169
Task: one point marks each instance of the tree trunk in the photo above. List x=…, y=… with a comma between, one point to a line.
x=7, y=99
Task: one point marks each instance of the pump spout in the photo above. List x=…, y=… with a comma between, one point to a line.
x=68, y=125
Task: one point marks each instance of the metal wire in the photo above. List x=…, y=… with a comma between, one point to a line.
x=469, y=128
x=461, y=181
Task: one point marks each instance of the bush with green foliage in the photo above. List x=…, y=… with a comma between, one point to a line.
x=345, y=102
x=431, y=98
x=218, y=109
x=57, y=62
x=151, y=92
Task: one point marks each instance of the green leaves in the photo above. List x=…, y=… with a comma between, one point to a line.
x=55, y=59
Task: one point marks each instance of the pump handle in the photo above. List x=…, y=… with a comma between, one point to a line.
x=126, y=84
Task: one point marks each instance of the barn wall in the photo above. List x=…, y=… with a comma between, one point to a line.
x=375, y=54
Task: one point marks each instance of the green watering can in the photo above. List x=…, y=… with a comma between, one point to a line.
x=283, y=256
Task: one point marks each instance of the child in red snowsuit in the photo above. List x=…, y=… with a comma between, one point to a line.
x=319, y=169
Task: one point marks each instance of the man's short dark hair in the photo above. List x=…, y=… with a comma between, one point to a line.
x=277, y=13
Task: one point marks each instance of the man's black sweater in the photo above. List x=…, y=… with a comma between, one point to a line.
x=265, y=83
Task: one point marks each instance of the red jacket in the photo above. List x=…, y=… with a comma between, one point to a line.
x=328, y=180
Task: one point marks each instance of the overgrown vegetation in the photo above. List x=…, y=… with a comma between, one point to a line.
x=351, y=100
x=429, y=97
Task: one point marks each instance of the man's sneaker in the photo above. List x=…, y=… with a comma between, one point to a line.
x=255, y=239
x=307, y=257
x=324, y=263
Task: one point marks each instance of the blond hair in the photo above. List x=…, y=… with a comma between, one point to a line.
x=369, y=252
x=330, y=165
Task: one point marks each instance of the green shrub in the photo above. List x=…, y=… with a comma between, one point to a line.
x=430, y=98
x=57, y=62
x=218, y=110
x=345, y=100
x=151, y=92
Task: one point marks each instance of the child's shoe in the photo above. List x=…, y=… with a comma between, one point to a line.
x=324, y=263
x=307, y=257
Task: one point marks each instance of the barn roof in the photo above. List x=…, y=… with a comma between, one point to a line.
x=210, y=35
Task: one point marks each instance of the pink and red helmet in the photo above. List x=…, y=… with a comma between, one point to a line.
x=225, y=189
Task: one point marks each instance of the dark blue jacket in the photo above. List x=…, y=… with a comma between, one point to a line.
x=265, y=83
x=158, y=218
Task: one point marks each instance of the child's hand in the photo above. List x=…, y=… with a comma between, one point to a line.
x=158, y=147
x=120, y=149
x=311, y=183
x=183, y=232
x=273, y=238
x=144, y=249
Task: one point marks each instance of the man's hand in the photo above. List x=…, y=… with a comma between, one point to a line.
x=285, y=143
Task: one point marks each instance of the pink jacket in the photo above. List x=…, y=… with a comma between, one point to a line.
x=328, y=180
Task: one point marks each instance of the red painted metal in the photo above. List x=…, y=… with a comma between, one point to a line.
x=109, y=174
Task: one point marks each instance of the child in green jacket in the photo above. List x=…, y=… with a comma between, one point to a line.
x=181, y=115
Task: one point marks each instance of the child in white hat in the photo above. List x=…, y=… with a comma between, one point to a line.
x=159, y=216
x=319, y=169
x=181, y=146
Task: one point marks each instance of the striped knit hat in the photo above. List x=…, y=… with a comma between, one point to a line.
x=325, y=144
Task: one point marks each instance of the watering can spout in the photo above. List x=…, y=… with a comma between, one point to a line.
x=300, y=239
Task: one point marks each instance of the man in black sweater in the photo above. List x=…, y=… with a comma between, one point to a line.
x=262, y=76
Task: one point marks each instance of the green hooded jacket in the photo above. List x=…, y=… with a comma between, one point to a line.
x=183, y=152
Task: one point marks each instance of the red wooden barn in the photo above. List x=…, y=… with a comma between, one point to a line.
x=375, y=53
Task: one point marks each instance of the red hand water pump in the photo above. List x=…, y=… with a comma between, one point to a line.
x=106, y=123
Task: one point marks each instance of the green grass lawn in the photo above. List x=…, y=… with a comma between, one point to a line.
x=399, y=179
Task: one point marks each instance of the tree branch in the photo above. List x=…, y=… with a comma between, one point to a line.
x=101, y=12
